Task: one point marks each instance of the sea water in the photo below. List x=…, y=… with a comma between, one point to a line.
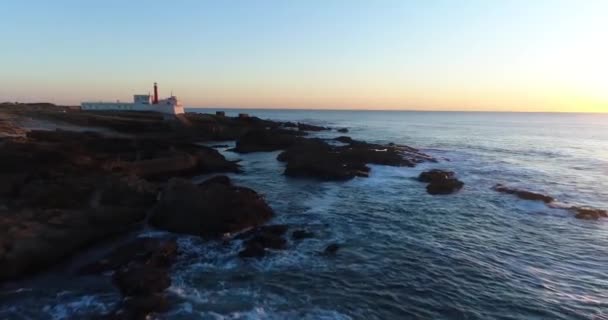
x=477, y=254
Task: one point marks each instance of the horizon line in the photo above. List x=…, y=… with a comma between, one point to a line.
x=395, y=110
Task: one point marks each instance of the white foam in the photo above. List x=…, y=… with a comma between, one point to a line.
x=87, y=304
x=267, y=314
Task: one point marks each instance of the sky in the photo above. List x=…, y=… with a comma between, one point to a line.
x=482, y=55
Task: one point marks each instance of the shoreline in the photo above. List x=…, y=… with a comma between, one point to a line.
x=106, y=173
x=144, y=163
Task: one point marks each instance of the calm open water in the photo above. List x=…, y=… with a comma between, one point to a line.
x=405, y=254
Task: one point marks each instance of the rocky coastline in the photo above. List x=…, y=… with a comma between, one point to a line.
x=75, y=179
x=72, y=179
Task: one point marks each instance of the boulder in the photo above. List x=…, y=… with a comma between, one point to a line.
x=344, y=139
x=261, y=238
x=302, y=234
x=208, y=210
x=444, y=187
x=142, y=275
x=523, y=194
x=331, y=249
x=343, y=130
x=252, y=251
x=587, y=213
x=440, y=182
x=435, y=175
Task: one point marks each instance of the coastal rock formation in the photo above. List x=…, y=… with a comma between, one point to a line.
x=310, y=127
x=303, y=126
x=62, y=191
x=316, y=158
x=587, y=213
x=35, y=239
x=261, y=238
x=301, y=234
x=147, y=158
x=344, y=139
x=331, y=249
x=342, y=130
x=209, y=210
x=580, y=212
x=436, y=175
x=440, y=182
x=266, y=140
x=141, y=273
x=523, y=194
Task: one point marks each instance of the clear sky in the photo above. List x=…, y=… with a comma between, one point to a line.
x=527, y=55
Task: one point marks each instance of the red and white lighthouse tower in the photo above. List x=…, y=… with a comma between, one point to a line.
x=155, y=99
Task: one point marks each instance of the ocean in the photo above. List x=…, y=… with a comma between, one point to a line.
x=477, y=254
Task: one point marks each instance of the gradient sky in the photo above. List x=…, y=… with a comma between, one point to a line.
x=508, y=55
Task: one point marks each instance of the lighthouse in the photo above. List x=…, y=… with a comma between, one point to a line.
x=141, y=102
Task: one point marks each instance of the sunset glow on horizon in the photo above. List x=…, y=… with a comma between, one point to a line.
x=531, y=56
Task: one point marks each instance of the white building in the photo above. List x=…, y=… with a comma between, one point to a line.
x=141, y=102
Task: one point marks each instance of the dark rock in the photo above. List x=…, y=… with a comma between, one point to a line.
x=589, y=213
x=142, y=275
x=444, y=187
x=210, y=210
x=316, y=158
x=261, y=238
x=310, y=127
x=270, y=241
x=331, y=249
x=344, y=139
x=224, y=180
x=302, y=234
x=441, y=182
x=138, y=307
x=35, y=239
x=523, y=194
x=265, y=140
x=273, y=229
x=141, y=280
x=217, y=146
x=157, y=252
x=343, y=130
x=435, y=175
x=254, y=250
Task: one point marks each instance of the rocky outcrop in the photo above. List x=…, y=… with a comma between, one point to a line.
x=342, y=130
x=141, y=273
x=523, y=194
x=62, y=191
x=580, y=212
x=440, y=182
x=435, y=175
x=208, y=210
x=331, y=249
x=587, y=213
x=34, y=239
x=301, y=234
x=310, y=127
x=261, y=238
x=344, y=139
x=266, y=140
x=147, y=158
x=318, y=159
